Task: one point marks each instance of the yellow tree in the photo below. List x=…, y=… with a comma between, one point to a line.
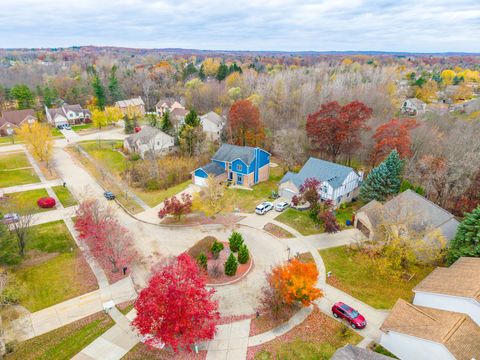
x=428, y=92
x=212, y=200
x=99, y=118
x=448, y=76
x=113, y=114
x=463, y=92
x=210, y=66
x=38, y=139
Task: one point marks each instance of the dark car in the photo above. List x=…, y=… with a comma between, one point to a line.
x=343, y=311
x=109, y=195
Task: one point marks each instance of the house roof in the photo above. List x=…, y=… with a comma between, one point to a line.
x=167, y=102
x=457, y=332
x=228, y=152
x=321, y=170
x=146, y=135
x=77, y=108
x=130, y=102
x=351, y=352
x=15, y=116
x=179, y=112
x=451, y=280
x=421, y=213
x=213, y=117
x=419, y=104
x=213, y=169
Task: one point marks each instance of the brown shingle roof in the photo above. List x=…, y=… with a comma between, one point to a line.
x=457, y=332
x=16, y=116
x=451, y=281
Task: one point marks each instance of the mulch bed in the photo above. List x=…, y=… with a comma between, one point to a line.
x=277, y=231
x=221, y=278
x=196, y=219
x=318, y=328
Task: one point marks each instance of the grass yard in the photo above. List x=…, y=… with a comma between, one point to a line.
x=247, y=200
x=65, y=342
x=82, y=127
x=104, y=152
x=153, y=198
x=18, y=177
x=303, y=343
x=54, y=269
x=8, y=140
x=356, y=274
x=64, y=195
x=24, y=202
x=15, y=160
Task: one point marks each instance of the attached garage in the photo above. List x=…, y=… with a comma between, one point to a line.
x=363, y=228
x=200, y=181
x=287, y=194
x=201, y=175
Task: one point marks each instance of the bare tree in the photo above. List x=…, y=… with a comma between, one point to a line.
x=21, y=230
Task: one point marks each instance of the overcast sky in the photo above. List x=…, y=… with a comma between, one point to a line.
x=386, y=25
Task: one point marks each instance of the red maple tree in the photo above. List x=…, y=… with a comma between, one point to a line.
x=108, y=242
x=175, y=308
x=308, y=191
x=394, y=134
x=176, y=207
x=244, y=124
x=335, y=129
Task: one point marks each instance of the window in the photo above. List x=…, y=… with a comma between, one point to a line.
x=239, y=167
x=324, y=189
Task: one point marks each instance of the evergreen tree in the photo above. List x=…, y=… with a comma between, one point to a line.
x=114, y=86
x=201, y=73
x=188, y=70
x=23, y=95
x=222, y=72
x=98, y=88
x=377, y=186
x=467, y=240
x=243, y=254
x=395, y=166
x=129, y=125
x=49, y=96
x=202, y=261
x=192, y=119
x=231, y=265
x=235, y=241
x=166, y=123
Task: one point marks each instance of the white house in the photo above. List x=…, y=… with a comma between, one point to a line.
x=148, y=140
x=212, y=124
x=338, y=183
x=414, y=332
x=413, y=107
x=167, y=105
x=456, y=288
x=411, y=211
x=67, y=114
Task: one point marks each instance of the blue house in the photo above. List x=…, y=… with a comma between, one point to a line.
x=242, y=165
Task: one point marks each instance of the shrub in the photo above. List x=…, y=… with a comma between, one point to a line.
x=235, y=241
x=135, y=157
x=202, y=261
x=152, y=185
x=216, y=248
x=243, y=254
x=231, y=265
x=46, y=202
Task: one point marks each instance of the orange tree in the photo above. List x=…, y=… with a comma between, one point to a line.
x=295, y=282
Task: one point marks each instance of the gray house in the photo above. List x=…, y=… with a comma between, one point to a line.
x=410, y=210
x=338, y=183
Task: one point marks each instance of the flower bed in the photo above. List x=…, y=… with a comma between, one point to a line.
x=218, y=277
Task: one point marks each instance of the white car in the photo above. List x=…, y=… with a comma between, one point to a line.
x=10, y=218
x=281, y=206
x=264, y=207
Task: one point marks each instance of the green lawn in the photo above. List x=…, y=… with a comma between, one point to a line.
x=300, y=221
x=24, y=202
x=356, y=274
x=8, y=140
x=54, y=269
x=247, y=200
x=105, y=154
x=64, y=196
x=14, y=161
x=153, y=198
x=82, y=127
x=18, y=177
x=56, y=132
x=65, y=342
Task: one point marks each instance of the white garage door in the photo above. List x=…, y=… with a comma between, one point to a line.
x=287, y=194
x=200, y=181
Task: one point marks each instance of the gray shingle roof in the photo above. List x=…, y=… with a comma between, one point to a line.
x=145, y=135
x=228, y=152
x=321, y=170
x=213, y=117
x=213, y=169
x=351, y=352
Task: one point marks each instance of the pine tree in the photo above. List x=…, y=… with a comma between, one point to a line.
x=201, y=73
x=202, y=261
x=235, y=241
x=113, y=85
x=222, y=72
x=166, y=123
x=467, y=240
x=231, y=265
x=395, y=166
x=192, y=119
x=129, y=125
x=243, y=254
x=377, y=186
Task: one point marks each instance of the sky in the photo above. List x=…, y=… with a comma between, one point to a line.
x=287, y=25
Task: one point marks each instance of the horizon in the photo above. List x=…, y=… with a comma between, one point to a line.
x=317, y=26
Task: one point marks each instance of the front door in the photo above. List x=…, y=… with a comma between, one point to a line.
x=230, y=176
x=239, y=179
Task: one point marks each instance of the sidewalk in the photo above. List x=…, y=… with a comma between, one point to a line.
x=58, y=315
x=230, y=342
x=35, y=186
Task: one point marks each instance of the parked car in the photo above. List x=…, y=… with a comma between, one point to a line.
x=281, y=206
x=343, y=311
x=10, y=218
x=67, y=127
x=264, y=207
x=109, y=195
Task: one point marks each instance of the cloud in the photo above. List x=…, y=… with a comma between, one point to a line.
x=408, y=25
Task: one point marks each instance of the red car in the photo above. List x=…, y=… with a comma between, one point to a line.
x=343, y=311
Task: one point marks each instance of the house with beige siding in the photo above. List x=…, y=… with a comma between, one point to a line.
x=11, y=120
